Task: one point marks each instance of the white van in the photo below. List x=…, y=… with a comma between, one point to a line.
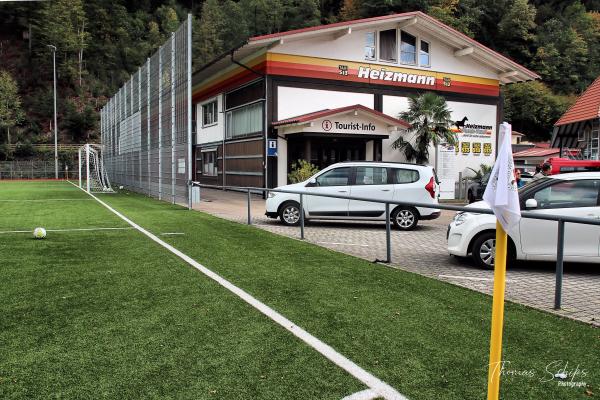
x=369, y=179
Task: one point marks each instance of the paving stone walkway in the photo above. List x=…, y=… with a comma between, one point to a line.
x=423, y=251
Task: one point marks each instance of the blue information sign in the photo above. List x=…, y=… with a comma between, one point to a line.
x=272, y=147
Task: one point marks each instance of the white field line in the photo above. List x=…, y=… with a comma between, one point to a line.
x=73, y=230
x=377, y=385
x=344, y=244
x=367, y=394
x=469, y=278
x=41, y=200
x=172, y=233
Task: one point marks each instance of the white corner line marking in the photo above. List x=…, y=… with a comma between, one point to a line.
x=72, y=230
x=377, y=385
x=367, y=394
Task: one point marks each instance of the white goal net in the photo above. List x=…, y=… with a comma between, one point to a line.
x=92, y=174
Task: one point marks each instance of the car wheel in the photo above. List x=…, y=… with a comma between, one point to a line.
x=470, y=197
x=405, y=218
x=289, y=213
x=484, y=250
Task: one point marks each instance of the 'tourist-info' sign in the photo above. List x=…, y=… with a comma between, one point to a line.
x=329, y=125
x=349, y=123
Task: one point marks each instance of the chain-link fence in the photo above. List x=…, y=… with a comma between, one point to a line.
x=147, y=126
x=35, y=169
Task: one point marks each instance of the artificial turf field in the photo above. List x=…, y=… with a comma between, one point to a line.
x=108, y=313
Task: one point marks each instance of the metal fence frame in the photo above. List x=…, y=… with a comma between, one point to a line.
x=562, y=220
x=146, y=127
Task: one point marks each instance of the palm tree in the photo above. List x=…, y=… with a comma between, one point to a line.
x=430, y=118
x=483, y=170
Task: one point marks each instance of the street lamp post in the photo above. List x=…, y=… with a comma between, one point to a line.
x=53, y=48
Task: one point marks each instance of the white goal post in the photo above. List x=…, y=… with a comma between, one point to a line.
x=92, y=174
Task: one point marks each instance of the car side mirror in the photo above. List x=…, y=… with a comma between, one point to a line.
x=531, y=203
x=311, y=182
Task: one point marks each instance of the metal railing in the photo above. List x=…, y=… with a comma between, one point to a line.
x=562, y=220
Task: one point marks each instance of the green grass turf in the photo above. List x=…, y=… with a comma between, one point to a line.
x=124, y=297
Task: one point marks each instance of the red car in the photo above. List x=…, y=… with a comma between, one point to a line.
x=565, y=165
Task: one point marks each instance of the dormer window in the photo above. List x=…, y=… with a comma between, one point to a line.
x=408, y=48
x=388, y=45
x=383, y=46
x=370, y=46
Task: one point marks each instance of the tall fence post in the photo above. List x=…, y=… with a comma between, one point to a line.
x=172, y=77
x=301, y=217
x=249, y=214
x=388, y=236
x=560, y=244
x=160, y=132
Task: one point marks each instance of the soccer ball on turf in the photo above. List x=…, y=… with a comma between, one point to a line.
x=39, y=233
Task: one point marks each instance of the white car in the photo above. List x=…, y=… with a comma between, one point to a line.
x=573, y=195
x=369, y=179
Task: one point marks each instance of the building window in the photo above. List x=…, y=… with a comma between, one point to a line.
x=245, y=120
x=209, y=113
x=424, y=60
x=408, y=48
x=209, y=163
x=388, y=45
x=370, y=46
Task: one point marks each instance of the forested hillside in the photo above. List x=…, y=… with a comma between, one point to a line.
x=101, y=42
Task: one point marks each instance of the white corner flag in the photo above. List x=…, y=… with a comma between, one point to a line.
x=501, y=193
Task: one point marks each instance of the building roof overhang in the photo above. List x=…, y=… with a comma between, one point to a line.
x=508, y=70
x=393, y=124
x=586, y=107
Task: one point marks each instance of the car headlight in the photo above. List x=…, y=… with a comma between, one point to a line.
x=272, y=194
x=461, y=217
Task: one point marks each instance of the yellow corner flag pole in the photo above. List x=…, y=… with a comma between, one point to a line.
x=497, y=313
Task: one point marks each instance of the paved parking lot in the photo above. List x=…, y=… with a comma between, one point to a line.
x=423, y=251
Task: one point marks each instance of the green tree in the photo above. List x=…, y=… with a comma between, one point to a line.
x=532, y=108
x=516, y=28
x=263, y=16
x=350, y=10
x=462, y=15
x=220, y=28
x=568, y=52
x=430, y=121
x=62, y=23
x=300, y=14
x=167, y=16
x=10, y=103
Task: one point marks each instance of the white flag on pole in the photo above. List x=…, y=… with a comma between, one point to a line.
x=501, y=193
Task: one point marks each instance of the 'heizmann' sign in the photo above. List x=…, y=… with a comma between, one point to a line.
x=382, y=74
